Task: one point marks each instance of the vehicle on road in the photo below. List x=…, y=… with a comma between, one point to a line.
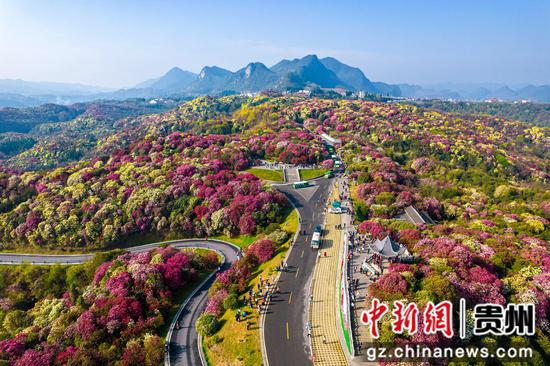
x=319, y=229
x=316, y=240
x=329, y=174
x=302, y=184
x=335, y=210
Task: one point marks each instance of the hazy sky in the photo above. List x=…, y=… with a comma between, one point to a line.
x=119, y=43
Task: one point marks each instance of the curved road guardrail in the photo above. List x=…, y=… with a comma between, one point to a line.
x=176, y=318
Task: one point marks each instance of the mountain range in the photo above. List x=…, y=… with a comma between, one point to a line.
x=296, y=74
x=309, y=72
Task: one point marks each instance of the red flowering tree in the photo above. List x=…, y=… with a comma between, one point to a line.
x=390, y=286
x=261, y=249
x=408, y=236
x=376, y=230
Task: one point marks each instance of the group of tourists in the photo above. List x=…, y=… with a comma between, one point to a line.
x=260, y=297
x=283, y=267
x=340, y=226
x=361, y=242
x=240, y=315
x=344, y=187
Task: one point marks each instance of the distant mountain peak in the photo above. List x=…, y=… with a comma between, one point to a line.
x=174, y=70
x=255, y=67
x=173, y=81
x=309, y=58
x=352, y=77
x=213, y=71
x=298, y=73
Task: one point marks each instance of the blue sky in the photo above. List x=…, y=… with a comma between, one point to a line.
x=119, y=43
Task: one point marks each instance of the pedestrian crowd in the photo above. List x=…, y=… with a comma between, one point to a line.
x=259, y=297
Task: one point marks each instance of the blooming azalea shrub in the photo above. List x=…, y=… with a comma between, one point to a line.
x=214, y=305
x=278, y=236
x=408, y=237
x=232, y=281
x=376, y=230
x=99, y=203
x=261, y=249
x=207, y=324
x=125, y=305
x=390, y=286
x=327, y=164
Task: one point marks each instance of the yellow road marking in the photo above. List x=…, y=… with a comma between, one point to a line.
x=287, y=334
x=290, y=298
x=302, y=253
x=298, y=270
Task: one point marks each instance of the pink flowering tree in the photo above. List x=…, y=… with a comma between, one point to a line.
x=261, y=249
x=376, y=230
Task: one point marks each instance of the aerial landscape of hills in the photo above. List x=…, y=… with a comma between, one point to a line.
x=94, y=176
x=248, y=183
x=309, y=72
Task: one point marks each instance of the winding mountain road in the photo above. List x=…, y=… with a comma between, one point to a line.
x=183, y=342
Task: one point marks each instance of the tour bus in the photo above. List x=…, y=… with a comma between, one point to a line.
x=318, y=229
x=301, y=184
x=316, y=240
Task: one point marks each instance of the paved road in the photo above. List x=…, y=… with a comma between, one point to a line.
x=17, y=258
x=183, y=342
x=292, y=175
x=284, y=328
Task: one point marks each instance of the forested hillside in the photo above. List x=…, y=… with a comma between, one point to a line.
x=484, y=180
x=534, y=113
x=111, y=310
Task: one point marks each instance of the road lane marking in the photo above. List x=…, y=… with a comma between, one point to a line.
x=302, y=253
x=287, y=334
x=290, y=298
x=298, y=270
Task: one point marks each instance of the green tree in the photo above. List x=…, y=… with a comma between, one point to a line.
x=153, y=349
x=77, y=279
x=15, y=321
x=207, y=324
x=231, y=302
